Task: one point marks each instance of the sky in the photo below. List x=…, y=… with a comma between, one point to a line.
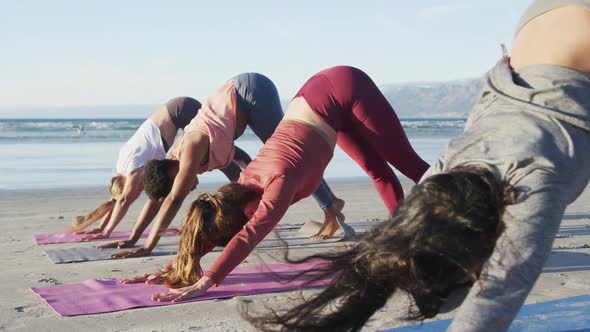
x=66, y=54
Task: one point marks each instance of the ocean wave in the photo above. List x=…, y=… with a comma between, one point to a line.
x=55, y=170
x=122, y=125
x=76, y=130
x=67, y=125
x=433, y=123
x=59, y=137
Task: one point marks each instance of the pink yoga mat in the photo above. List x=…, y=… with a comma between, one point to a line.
x=101, y=296
x=117, y=235
x=73, y=237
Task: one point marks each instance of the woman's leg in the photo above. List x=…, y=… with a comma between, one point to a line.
x=233, y=170
x=259, y=100
x=375, y=121
x=322, y=195
x=241, y=157
x=383, y=177
x=339, y=203
x=373, y=136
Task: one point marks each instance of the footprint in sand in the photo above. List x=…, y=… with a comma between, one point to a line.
x=52, y=281
x=22, y=308
x=564, y=236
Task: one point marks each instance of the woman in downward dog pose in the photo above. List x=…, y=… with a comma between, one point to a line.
x=208, y=143
x=152, y=140
x=339, y=102
x=488, y=210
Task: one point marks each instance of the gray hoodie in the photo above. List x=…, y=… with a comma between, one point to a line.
x=532, y=130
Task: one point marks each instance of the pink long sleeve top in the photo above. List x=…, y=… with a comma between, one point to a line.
x=288, y=168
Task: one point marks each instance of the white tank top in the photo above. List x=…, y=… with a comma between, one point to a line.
x=144, y=145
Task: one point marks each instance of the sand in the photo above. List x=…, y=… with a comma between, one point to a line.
x=25, y=213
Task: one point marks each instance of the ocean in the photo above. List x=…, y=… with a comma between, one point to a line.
x=77, y=153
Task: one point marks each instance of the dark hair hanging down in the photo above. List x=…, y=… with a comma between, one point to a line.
x=439, y=238
x=156, y=181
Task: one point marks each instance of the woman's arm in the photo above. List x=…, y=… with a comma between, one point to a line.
x=273, y=206
x=100, y=228
x=241, y=157
x=266, y=217
x=105, y=221
x=194, y=150
x=149, y=212
x=232, y=171
x=175, y=148
x=518, y=259
x=156, y=277
x=131, y=192
x=240, y=161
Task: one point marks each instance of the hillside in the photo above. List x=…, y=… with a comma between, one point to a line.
x=453, y=99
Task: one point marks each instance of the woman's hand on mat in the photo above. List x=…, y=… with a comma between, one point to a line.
x=173, y=230
x=150, y=279
x=92, y=231
x=135, y=280
x=117, y=244
x=155, y=279
x=137, y=252
x=185, y=293
x=95, y=237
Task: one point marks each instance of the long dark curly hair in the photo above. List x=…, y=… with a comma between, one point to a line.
x=438, y=239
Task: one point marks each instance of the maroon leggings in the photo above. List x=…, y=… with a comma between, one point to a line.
x=367, y=126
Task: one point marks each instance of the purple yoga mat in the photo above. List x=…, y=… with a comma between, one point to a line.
x=116, y=235
x=101, y=296
x=73, y=237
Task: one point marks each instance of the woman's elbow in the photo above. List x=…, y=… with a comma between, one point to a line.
x=127, y=200
x=175, y=199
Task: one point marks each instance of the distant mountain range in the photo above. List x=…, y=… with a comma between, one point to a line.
x=452, y=99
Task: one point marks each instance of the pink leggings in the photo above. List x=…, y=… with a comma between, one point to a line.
x=367, y=126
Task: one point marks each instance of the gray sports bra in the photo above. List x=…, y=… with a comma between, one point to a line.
x=539, y=7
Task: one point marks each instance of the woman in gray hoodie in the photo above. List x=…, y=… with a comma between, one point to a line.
x=486, y=213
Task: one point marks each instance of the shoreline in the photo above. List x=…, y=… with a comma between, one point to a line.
x=203, y=185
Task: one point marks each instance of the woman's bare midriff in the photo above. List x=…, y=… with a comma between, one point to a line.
x=560, y=36
x=299, y=110
x=164, y=123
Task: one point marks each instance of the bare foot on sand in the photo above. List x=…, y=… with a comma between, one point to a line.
x=329, y=227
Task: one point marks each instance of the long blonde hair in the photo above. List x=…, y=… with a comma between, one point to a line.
x=214, y=218
x=116, y=191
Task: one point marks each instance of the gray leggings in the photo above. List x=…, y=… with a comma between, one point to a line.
x=233, y=170
x=257, y=96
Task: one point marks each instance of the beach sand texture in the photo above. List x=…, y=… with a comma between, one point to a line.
x=25, y=213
